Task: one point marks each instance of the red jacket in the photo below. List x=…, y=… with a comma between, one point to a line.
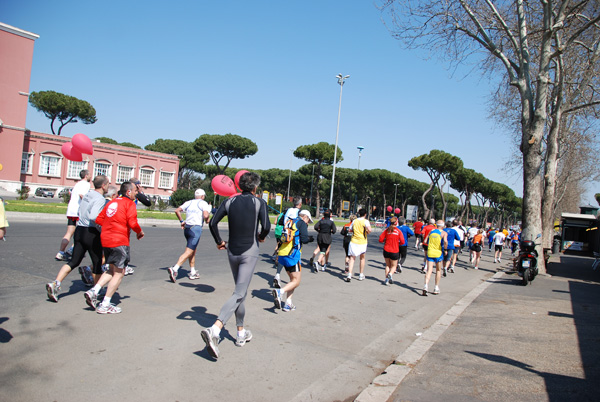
x=117, y=219
x=392, y=240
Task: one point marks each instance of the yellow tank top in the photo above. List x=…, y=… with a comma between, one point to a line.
x=434, y=249
x=359, y=235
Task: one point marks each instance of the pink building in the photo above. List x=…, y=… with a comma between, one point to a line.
x=35, y=159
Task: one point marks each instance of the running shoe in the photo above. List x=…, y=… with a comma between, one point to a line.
x=110, y=309
x=476, y=267
x=288, y=307
x=211, y=341
x=69, y=251
x=276, y=283
x=86, y=275
x=323, y=267
x=315, y=267
x=436, y=290
x=390, y=276
x=348, y=279
x=128, y=270
x=60, y=256
x=172, y=274
x=387, y=280
x=52, y=290
x=277, y=297
x=241, y=340
x=91, y=299
x=451, y=269
x=424, y=291
x=194, y=275
x=399, y=269
x=422, y=270
x=361, y=277
x=444, y=271
x=105, y=268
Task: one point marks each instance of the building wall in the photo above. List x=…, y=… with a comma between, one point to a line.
x=16, y=56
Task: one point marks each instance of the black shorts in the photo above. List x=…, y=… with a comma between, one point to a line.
x=419, y=236
x=498, y=247
x=118, y=256
x=476, y=248
x=391, y=256
x=294, y=268
x=323, y=247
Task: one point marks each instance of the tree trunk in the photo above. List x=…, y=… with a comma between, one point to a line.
x=425, y=209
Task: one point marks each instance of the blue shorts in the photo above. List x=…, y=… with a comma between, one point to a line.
x=192, y=235
x=437, y=259
x=449, y=253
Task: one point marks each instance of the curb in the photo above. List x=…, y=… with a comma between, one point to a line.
x=384, y=385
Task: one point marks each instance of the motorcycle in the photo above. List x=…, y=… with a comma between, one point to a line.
x=527, y=260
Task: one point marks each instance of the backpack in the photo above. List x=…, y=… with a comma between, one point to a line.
x=290, y=238
x=281, y=218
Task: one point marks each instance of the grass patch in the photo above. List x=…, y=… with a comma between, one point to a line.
x=35, y=207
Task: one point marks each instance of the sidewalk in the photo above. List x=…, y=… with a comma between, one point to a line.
x=534, y=343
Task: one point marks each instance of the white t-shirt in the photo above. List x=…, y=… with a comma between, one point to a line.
x=79, y=190
x=461, y=233
x=194, y=211
x=499, y=239
x=472, y=232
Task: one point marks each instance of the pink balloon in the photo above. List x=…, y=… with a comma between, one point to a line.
x=223, y=185
x=389, y=208
x=83, y=144
x=70, y=152
x=237, y=178
x=397, y=211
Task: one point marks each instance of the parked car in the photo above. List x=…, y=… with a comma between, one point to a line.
x=65, y=191
x=44, y=192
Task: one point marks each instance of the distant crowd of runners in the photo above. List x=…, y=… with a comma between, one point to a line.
x=100, y=220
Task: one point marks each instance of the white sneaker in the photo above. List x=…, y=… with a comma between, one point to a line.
x=128, y=270
x=60, y=256
x=361, y=277
x=436, y=290
x=194, y=275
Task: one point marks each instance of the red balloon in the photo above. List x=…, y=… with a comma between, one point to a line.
x=397, y=211
x=223, y=185
x=389, y=208
x=237, y=178
x=83, y=144
x=70, y=152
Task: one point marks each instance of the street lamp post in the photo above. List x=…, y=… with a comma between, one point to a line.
x=395, y=191
x=356, y=194
x=341, y=80
x=290, y=176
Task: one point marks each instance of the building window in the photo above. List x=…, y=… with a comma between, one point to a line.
x=166, y=180
x=26, y=162
x=147, y=177
x=124, y=173
x=102, y=168
x=75, y=168
x=50, y=165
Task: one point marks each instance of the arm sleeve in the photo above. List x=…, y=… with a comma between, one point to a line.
x=382, y=236
x=143, y=199
x=401, y=235
x=96, y=208
x=303, y=229
x=409, y=231
x=100, y=218
x=213, y=225
x=263, y=218
x=132, y=221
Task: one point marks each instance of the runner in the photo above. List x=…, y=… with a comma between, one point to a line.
x=325, y=227
x=425, y=232
x=406, y=232
x=79, y=190
x=473, y=230
x=498, y=245
x=392, y=237
x=490, y=238
x=477, y=247
x=418, y=228
x=290, y=253
x=196, y=213
x=117, y=219
x=437, y=241
x=244, y=212
x=358, y=244
x=3, y=221
x=451, y=238
x=86, y=238
x=347, y=233
x=457, y=243
x=291, y=213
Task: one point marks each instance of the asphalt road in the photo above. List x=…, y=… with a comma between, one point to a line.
x=341, y=336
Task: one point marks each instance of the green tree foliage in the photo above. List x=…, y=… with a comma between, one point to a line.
x=62, y=108
x=227, y=146
x=130, y=145
x=438, y=165
x=106, y=140
x=319, y=155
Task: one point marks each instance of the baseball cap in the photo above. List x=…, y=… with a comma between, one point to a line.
x=307, y=213
x=136, y=182
x=199, y=192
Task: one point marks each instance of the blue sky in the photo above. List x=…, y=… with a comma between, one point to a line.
x=264, y=70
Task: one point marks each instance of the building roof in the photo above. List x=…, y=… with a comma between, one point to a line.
x=18, y=31
x=578, y=216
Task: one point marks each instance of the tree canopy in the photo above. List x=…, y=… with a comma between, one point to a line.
x=62, y=108
x=227, y=146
